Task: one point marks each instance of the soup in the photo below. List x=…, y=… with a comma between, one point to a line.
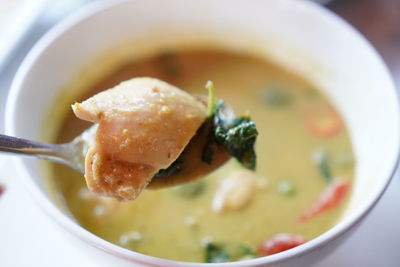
x=303, y=173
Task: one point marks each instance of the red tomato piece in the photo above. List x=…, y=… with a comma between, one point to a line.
x=329, y=198
x=324, y=122
x=279, y=243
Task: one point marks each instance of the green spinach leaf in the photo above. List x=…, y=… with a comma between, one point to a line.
x=320, y=158
x=215, y=253
x=236, y=134
x=276, y=98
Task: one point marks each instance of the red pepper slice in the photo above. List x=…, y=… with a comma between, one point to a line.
x=323, y=122
x=279, y=243
x=329, y=198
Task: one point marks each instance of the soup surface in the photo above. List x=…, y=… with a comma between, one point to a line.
x=303, y=149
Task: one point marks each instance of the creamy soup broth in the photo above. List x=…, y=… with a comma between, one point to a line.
x=172, y=223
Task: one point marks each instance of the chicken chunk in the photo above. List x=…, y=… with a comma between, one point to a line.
x=236, y=190
x=143, y=126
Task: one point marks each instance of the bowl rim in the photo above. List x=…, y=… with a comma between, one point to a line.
x=75, y=229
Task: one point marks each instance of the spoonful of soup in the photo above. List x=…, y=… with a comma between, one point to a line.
x=148, y=133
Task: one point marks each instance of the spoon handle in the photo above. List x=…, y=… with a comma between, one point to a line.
x=23, y=146
x=15, y=145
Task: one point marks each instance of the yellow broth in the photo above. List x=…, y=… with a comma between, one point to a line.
x=170, y=224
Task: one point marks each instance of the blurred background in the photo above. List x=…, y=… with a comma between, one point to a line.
x=23, y=22
x=379, y=21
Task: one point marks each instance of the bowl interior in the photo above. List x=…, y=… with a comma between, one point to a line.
x=293, y=33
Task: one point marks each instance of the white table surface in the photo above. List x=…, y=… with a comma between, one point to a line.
x=29, y=238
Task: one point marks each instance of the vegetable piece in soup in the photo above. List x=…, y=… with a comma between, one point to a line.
x=279, y=243
x=144, y=124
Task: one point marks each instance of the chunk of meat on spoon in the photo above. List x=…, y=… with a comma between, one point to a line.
x=144, y=125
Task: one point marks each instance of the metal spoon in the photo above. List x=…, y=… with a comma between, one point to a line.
x=73, y=154
x=68, y=154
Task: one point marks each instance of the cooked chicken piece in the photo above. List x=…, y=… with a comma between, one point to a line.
x=236, y=190
x=144, y=124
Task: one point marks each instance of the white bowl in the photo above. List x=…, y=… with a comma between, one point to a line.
x=298, y=34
